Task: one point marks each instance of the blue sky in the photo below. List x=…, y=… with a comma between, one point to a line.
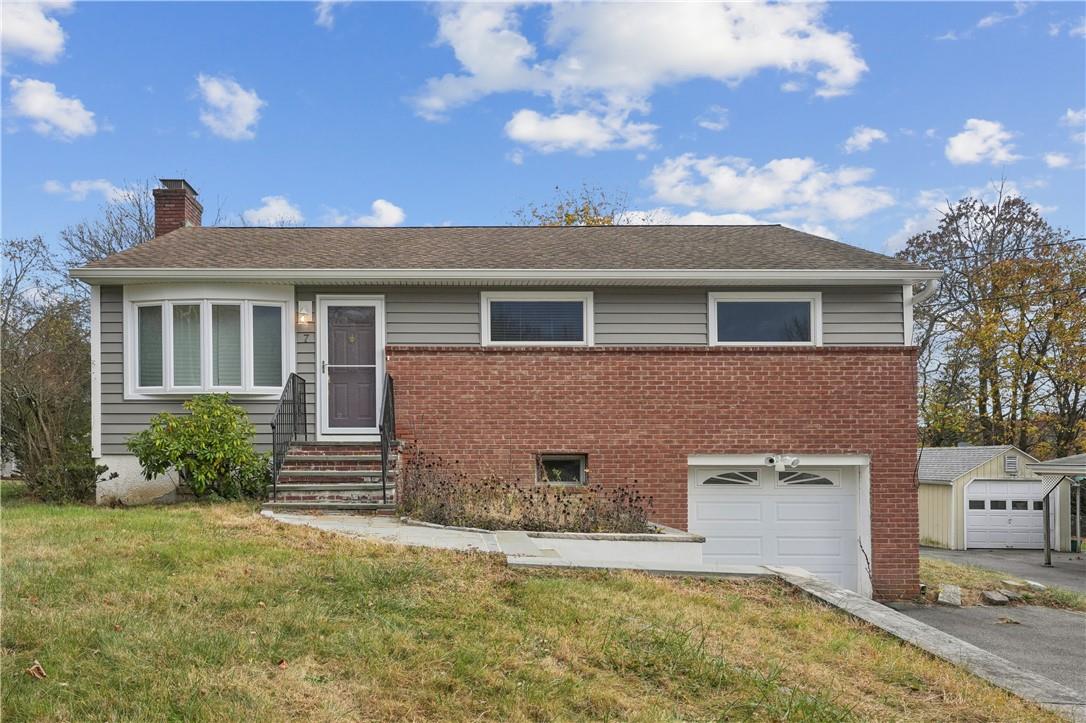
x=855, y=120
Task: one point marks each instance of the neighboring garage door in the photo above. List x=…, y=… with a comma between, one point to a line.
x=1004, y=513
x=801, y=518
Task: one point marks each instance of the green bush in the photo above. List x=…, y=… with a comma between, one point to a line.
x=210, y=449
x=72, y=480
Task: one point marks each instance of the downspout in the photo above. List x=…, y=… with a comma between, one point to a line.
x=911, y=300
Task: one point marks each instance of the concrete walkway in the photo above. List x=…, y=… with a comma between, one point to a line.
x=390, y=529
x=1068, y=568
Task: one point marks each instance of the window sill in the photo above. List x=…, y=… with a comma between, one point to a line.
x=179, y=395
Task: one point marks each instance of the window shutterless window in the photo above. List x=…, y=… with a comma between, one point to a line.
x=976, y=504
x=779, y=318
x=537, y=318
x=562, y=469
x=997, y=505
x=195, y=345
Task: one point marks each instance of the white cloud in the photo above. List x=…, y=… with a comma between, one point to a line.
x=50, y=113
x=581, y=131
x=996, y=18
x=1076, y=120
x=600, y=63
x=382, y=213
x=276, y=211
x=515, y=156
x=27, y=29
x=79, y=190
x=791, y=86
x=229, y=110
x=714, y=119
x=948, y=35
x=928, y=205
x=663, y=216
x=981, y=140
x=1056, y=160
x=784, y=189
x=325, y=15
x=863, y=137
x=1078, y=31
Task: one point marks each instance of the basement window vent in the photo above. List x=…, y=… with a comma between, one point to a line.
x=807, y=479
x=735, y=477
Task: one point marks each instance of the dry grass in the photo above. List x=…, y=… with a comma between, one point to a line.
x=185, y=612
x=975, y=580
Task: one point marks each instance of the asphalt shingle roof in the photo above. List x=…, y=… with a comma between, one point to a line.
x=947, y=464
x=500, y=247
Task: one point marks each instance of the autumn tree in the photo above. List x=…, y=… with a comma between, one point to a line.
x=586, y=206
x=1001, y=342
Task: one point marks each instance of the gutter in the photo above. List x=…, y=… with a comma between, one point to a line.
x=543, y=276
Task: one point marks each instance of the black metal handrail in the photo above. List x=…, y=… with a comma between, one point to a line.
x=388, y=431
x=287, y=423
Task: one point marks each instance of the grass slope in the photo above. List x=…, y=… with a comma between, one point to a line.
x=975, y=580
x=186, y=613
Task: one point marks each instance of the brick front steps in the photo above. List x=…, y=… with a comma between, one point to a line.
x=339, y=476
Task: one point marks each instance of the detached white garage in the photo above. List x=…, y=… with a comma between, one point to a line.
x=987, y=497
x=814, y=515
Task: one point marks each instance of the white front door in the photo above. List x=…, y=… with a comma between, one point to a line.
x=350, y=365
x=806, y=517
x=1004, y=513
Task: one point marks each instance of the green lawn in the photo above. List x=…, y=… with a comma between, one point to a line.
x=186, y=613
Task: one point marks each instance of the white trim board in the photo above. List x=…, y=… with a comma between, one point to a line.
x=96, y=370
x=321, y=301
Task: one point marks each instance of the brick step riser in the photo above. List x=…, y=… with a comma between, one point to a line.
x=318, y=464
x=355, y=497
x=353, y=479
x=318, y=451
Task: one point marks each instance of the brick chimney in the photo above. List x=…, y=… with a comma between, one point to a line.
x=176, y=206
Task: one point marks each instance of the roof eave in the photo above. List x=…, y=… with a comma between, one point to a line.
x=686, y=276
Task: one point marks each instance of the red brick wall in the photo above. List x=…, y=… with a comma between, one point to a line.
x=175, y=208
x=637, y=412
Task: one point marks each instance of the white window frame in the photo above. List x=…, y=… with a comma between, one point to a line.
x=812, y=297
x=585, y=297
x=205, y=296
x=707, y=474
x=582, y=459
x=832, y=475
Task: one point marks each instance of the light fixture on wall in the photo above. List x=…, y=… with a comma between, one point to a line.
x=305, y=313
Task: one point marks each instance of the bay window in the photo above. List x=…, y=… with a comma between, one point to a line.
x=193, y=345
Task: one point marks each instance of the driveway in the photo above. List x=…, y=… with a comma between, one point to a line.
x=1068, y=569
x=1046, y=641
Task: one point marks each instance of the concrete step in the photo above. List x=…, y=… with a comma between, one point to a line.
x=375, y=507
x=330, y=487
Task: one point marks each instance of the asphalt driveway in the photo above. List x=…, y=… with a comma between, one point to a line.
x=1049, y=642
x=1068, y=569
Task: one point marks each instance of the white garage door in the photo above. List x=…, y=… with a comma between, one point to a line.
x=802, y=518
x=1004, y=513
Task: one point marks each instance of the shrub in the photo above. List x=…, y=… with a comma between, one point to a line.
x=433, y=491
x=72, y=480
x=210, y=449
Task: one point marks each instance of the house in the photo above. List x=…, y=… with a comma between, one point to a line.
x=1069, y=472
x=757, y=382
x=986, y=497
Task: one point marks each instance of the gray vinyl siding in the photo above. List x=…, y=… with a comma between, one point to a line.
x=435, y=315
x=120, y=417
